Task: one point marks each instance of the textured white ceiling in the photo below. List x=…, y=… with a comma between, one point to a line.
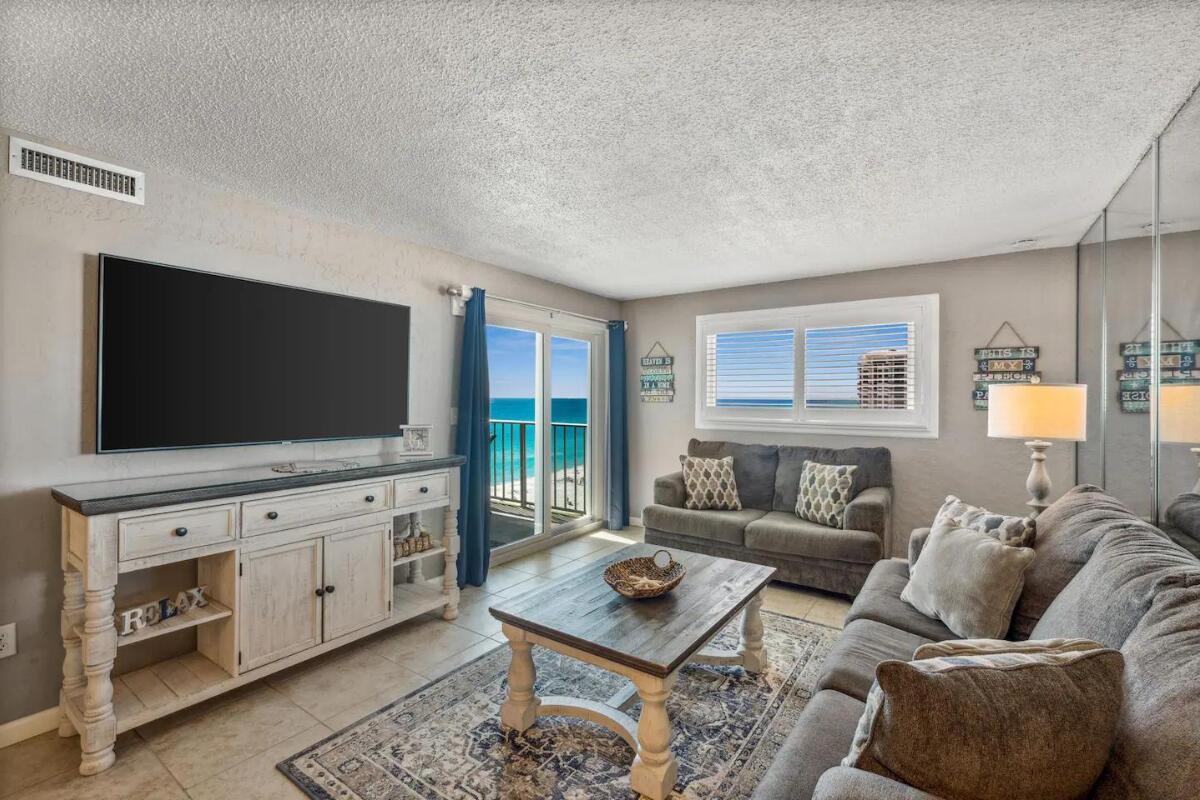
x=627, y=148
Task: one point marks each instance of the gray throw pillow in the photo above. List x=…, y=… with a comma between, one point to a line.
x=969, y=581
x=709, y=484
x=825, y=491
x=956, y=513
x=993, y=726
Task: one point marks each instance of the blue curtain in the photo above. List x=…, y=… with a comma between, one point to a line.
x=474, y=519
x=618, y=429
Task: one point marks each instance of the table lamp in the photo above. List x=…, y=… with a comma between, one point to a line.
x=1036, y=412
x=1179, y=416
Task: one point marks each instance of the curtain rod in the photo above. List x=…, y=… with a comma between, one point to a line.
x=464, y=294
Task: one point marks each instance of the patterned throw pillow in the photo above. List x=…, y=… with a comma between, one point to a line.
x=824, y=492
x=1013, y=531
x=709, y=484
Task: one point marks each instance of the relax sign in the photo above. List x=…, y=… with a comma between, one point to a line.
x=132, y=620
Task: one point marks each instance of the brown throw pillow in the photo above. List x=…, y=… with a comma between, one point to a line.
x=968, y=580
x=709, y=484
x=996, y=726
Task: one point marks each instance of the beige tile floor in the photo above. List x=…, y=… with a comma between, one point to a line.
x=228, y=747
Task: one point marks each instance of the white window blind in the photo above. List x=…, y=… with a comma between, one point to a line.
x=750, y=369
x=860, y=366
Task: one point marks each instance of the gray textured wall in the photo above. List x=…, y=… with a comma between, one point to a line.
x=49, y=238
x=1034, y=290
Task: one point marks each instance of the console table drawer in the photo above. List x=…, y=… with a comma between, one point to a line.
x=293, y=511
x=422, y=489
x=177, y=530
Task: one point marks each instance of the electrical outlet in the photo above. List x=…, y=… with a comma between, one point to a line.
x=8, y=640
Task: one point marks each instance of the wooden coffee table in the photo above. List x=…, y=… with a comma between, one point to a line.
x=646, y=641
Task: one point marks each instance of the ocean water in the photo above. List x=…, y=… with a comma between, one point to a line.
x=570, y=450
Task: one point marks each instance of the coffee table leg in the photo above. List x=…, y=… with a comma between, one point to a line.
x=654, y=769
x=520, y=708
x=754, y=655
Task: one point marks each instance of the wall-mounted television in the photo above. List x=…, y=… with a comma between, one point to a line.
x=197, y=359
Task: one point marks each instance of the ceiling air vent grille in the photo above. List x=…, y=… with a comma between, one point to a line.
x=61, y=168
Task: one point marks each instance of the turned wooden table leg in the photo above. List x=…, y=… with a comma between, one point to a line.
x=99, y=648
x=450, y=577
x=654, y=770
x=520, y=708
x=70, y=623
x=752, y=651
x=415, y=573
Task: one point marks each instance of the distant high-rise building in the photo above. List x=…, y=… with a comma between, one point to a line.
x=883, y=379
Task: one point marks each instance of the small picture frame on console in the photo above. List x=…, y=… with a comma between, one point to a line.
x=418, y=440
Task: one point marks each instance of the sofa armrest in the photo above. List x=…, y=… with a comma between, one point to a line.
x=669, y=491
x=848, y=783
x=916, y=541
x=871, y=511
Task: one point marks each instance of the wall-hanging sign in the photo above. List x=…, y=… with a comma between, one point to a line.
x=658, y=376
x=1003, y=365
x=1176, y=365
x=132, y=620
x=418, y=440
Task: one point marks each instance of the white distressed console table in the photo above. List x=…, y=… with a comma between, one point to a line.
x=295, y=565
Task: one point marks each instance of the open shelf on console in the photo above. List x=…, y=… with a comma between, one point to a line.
x=188, y=619
x=433, y=551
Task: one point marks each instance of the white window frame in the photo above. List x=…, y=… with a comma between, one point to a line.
x=919, y=422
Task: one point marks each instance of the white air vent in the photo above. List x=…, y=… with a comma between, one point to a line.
x=61, y=168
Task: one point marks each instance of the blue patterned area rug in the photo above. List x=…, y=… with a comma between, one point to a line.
x=445, y=741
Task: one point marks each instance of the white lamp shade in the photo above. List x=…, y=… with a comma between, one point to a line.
x=1037, y=411
x=1179, y=414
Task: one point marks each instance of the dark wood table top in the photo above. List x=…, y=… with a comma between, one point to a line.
x=656, y=635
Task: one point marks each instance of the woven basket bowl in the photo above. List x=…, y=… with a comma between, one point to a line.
x=640, y=577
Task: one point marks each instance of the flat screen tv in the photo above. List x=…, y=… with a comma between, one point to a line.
x=196, y=359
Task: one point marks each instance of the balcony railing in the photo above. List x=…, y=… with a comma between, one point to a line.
x=513, y=444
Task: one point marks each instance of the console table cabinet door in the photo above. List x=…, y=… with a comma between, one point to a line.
x=280, y=607
x=358, y=579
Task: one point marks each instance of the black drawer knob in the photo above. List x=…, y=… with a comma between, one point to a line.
x=329, y=589
x=320, y=592
x=272, y=515
x=180, y=531
x=370, y=498
x=424, y=490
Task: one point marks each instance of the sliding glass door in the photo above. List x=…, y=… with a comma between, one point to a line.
x=546, y=380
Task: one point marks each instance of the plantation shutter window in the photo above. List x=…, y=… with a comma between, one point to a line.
x=861, y=367
x=751, y=369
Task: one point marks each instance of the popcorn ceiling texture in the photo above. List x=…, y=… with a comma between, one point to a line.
x=626, y=148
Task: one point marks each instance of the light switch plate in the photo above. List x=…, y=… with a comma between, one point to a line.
x=8, y=640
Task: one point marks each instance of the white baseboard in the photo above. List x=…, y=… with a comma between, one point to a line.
x=24, y=728
x=636, y=521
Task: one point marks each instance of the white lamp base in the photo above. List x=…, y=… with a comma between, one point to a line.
x=1038, y=482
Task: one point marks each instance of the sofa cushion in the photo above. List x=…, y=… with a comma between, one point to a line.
x=874, y=469
x=709, y=484
x=996, y=726
x=1109, y=595
x=716, y=526
x=819, y=740
x=879, y=599
x=850, y=666
x=1154, y=755
x=1183, y=522
x=824, y=493
x=753, y=468
x=968, y=580
x=847, y=783
x=1067, y=532
x=785, y=533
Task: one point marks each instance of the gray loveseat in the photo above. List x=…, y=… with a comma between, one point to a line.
x=1100, y=573
x=767, y=530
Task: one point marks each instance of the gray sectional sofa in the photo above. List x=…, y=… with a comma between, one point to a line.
x=767, y=530
x=1100, y=573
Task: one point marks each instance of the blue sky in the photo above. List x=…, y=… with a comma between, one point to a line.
x=512, y=364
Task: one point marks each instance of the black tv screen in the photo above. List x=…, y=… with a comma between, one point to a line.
x=196, y=359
